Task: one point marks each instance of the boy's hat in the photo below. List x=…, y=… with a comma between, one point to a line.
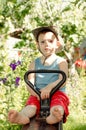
x=53, y=29
x=40, y=29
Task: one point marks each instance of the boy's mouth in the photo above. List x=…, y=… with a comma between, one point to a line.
x=47, y=48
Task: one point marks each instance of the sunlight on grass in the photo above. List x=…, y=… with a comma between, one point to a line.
x=74, y=125
x=76, y=121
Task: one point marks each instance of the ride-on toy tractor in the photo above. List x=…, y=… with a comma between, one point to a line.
x=38, y=122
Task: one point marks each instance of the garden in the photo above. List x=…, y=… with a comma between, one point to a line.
x=18, y=49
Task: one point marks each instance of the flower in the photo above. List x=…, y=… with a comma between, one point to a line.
x=14, y=65
x=3, y=80
x=17, y=81
x=18, y=63
x=80, y=63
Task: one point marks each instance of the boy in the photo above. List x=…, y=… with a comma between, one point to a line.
x=48, y=42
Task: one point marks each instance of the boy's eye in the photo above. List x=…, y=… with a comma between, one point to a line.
x=50, y=41
x=42, y=41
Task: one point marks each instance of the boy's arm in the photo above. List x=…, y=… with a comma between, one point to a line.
x=31, y=78
x=63, y=66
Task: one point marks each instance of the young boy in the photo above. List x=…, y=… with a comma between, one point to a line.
x=48, y=42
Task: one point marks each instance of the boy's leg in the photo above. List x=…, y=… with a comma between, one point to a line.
x=59, y=107
x=56, y=114
x=22, y=117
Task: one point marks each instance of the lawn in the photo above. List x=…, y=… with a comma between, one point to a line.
x=76, y=121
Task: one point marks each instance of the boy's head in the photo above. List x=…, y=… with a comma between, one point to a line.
x=36, y=32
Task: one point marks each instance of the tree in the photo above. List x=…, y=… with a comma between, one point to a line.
x=26, y=15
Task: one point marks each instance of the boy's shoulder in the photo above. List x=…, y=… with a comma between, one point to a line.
x=60, y=59
x=38, y=58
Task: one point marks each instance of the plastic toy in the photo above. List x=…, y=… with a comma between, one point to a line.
x=38, y=122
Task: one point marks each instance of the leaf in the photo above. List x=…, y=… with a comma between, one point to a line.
x=20, y=44
x=66, y=9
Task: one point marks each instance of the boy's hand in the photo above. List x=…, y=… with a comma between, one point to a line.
x=45, y=92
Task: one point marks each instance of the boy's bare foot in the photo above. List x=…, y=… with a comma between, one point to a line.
x=17, y=118
x=58, y=114
x=55, y=117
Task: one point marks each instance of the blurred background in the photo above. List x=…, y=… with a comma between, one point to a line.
x=18, y=49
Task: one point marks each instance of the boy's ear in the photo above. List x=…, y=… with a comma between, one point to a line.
x=37, y=44
x=59, y=47
x=58, y=44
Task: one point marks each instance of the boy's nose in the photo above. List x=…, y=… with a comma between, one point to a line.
x=46, y=42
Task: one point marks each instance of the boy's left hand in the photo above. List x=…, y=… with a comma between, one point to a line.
x=45, y=92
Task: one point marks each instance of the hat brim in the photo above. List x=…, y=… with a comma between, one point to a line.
x=40, y=29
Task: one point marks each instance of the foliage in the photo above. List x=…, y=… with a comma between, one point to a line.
x=30, y=14
x=13, y=91
x=23, y=16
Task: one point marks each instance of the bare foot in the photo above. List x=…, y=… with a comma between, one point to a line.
x=55, y=117
x=57, y=113
x=17, y=118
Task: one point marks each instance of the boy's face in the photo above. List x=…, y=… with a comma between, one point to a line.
x=47, y=43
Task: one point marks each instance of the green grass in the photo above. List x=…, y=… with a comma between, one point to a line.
x=74, y=126
x=75, y=121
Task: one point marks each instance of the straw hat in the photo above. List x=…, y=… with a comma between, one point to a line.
x=53, y=29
